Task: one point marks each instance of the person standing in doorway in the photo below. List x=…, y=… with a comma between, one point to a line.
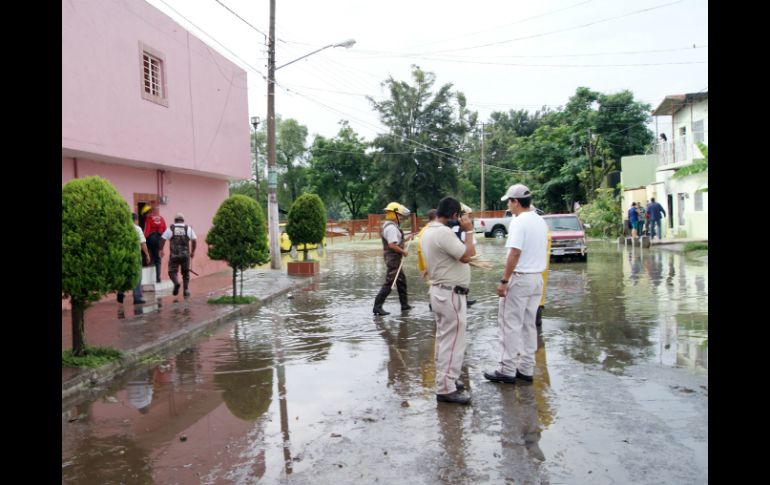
x=154, y=227
x=446, y=259
x=181, y=235
x=520, y=289
x=654, y=210
x=393, y=251
x=143, y=250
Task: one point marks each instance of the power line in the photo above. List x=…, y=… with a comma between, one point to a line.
x=504, y=25
x=581, y=26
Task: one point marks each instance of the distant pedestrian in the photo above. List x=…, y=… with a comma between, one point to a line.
x=654, y=210
x=143, y=250
x=633, y=219
x=181, y=236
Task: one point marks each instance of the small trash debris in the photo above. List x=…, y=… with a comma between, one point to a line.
x=78, y=417
x=336, y=435
x=404, y=404
x=183, y=438
x=187, y=466
x=290, y=296
x=111, y=399
x=385, y=452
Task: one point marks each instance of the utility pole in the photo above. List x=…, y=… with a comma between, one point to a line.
x=272, y=174
x=483, y=206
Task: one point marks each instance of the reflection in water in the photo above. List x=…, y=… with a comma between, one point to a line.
x=621, y=310
x=451, y=429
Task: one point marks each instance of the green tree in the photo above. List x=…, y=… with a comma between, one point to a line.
x=307, y=221
x=291, y=159
x=100, y=248
x=417, y=160
x=502, y=133
x=603, y=214
x=341, y=170
x=238, y=235
x=603, y=128
x=552, y=167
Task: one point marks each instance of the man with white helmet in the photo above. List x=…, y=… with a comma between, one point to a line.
x=393, y=250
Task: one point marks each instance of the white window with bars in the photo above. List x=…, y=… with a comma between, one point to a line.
x=153, y=76
x=152, y=81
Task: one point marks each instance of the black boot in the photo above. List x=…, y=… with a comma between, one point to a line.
x=186, y=290
x=379, y=311
x=404, y=302
x=175, y=280
x=471, y=303
x=379, y=300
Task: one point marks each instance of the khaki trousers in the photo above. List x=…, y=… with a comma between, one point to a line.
x=450, y=309
x=517, y=313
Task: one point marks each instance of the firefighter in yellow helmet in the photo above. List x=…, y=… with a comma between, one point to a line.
x=393, y=250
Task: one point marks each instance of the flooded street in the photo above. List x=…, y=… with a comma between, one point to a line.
x=314, y=389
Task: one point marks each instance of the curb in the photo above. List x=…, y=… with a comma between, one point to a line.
x=94, y=380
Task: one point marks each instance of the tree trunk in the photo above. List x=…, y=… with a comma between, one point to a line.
x=78, y=334
x=304, y=253
x=241, y=292
x=235, y=283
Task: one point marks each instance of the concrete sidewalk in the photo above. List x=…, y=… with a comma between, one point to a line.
x=165, y=321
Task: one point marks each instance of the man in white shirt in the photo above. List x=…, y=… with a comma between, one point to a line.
x=143, y=247
x=520, y=289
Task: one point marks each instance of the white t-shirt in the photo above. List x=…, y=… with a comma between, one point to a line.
x=529, y=233
x=391, y=233
x=141, y=234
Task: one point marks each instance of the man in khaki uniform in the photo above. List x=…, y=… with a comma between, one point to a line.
x=447, y=260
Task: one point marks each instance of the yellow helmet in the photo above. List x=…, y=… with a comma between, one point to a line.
x=397, y=208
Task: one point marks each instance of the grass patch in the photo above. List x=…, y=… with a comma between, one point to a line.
x=694, y=246
x=229, y=300
x=93, y=357
x=152, y=359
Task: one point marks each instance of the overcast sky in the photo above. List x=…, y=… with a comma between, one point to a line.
x=503, y=54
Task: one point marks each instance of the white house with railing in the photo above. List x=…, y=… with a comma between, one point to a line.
x=685, y=202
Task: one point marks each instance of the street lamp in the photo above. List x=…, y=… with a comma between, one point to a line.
x=272, y=173
x=255, y=124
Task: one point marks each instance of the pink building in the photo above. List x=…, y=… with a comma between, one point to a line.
x=154, y=110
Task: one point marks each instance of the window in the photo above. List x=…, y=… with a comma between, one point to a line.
x=152, y=81
x=697, y=131
x=683, y=131
x=153, y=75
x=698, y=200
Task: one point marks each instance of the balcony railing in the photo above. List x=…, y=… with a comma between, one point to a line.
x=679, y=151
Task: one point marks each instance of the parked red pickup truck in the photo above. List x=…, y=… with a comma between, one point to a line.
x=568, y=236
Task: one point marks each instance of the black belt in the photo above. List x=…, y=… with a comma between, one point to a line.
x=457, y=289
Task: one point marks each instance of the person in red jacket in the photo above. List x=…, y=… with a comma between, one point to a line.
x=154, y=226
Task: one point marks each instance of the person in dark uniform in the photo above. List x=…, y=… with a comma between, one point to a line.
x=393, y=250
x=181, y=235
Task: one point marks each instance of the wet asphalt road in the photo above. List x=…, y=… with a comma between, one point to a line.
x=314, y=389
